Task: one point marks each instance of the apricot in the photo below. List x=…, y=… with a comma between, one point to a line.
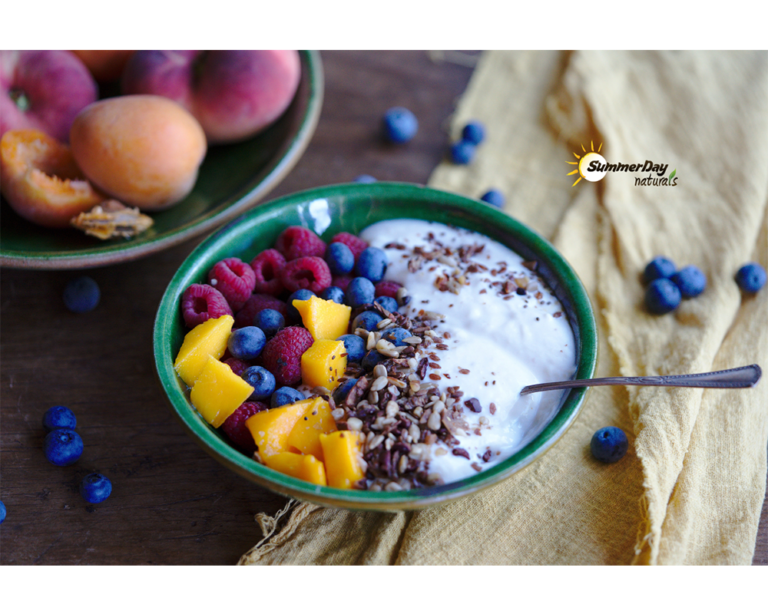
x=41, y=181
x=143, y=150
x=104, y=65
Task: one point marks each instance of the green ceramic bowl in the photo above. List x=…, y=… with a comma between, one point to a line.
x=231, y=179
x=351, y=208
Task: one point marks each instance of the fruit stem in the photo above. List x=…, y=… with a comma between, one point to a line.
x=20, y=99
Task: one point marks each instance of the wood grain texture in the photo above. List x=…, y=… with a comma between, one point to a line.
x=172, y=503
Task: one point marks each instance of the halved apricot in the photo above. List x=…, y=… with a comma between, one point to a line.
x=41, y=181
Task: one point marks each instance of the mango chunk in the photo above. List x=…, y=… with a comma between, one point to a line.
x=324, y=319
x=218, y=392
x=303, y=466
x=305, y=436
x=206, y=339
x=270, y=429
x=324, y=363
x=342, y=458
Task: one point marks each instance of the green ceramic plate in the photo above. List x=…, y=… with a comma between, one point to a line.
x=351, y=208
x=232, y=178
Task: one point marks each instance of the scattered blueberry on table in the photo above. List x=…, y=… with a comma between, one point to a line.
x=462, y=152
x=95, y=488
x=365, y=179
x=662, y=296
x=473, y=132
x=751, y=277
x=493, y=198
x=609, y=444
x=81, y=295
x=63, y=447
x=659, y=267
x=690, y=281
x=2, y=512
x=59, y=417
x=400, y=125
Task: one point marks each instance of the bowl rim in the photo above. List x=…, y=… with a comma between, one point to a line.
x=366, y=500
x=274, y=172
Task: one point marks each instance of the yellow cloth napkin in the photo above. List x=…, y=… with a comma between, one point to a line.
x=691, y=487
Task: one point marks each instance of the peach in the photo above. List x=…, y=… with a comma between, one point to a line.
x=233, y=94
x=41, y=181
x=143, y=150
x=105, y=66
x=43, y=90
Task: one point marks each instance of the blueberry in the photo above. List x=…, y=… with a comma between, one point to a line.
x=473, y=132
x=82, y=295
x=609, y=444
x=360, y=291
x=269, y=321
x=493, y=198
x=372, y=264
x=396, y=336
x=63, y=447
x=299, y=295
x=387, y=302
x=400, y=125
x=355, y=347
x=246, y=343
x=662, y=296
x=59, y=417
x=2, y=512
x=658, y=268
x=95, y=488
x=285, y=396
x=690, y=280
x=371, y=359
x=751, y=277
x=334, y=293
x=367, y=320
x=263, y=382
x=340, y=258
x=462, y=152
x=343, y=390
x=364, y=179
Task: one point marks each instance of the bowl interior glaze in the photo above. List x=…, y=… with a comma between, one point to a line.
x=351, y=208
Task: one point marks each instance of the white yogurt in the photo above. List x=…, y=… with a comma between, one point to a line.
x=504, y=343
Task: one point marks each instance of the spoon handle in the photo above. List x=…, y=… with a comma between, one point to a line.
x=741, y=377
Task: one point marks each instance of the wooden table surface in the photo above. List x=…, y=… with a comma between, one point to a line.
x=172, y=503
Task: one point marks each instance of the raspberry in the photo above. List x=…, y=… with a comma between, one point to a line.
x=255, y=304
x=267, y=267
x=387, y=288
x=341, y=281
x=298, y=242
x=237, y=365
x=282, y=354
x=234, y=426
x=201, y=302
x=311, y=273
x=356, y=244
x=234, y=279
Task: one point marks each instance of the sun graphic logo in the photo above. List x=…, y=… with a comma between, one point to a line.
x=584, y=163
